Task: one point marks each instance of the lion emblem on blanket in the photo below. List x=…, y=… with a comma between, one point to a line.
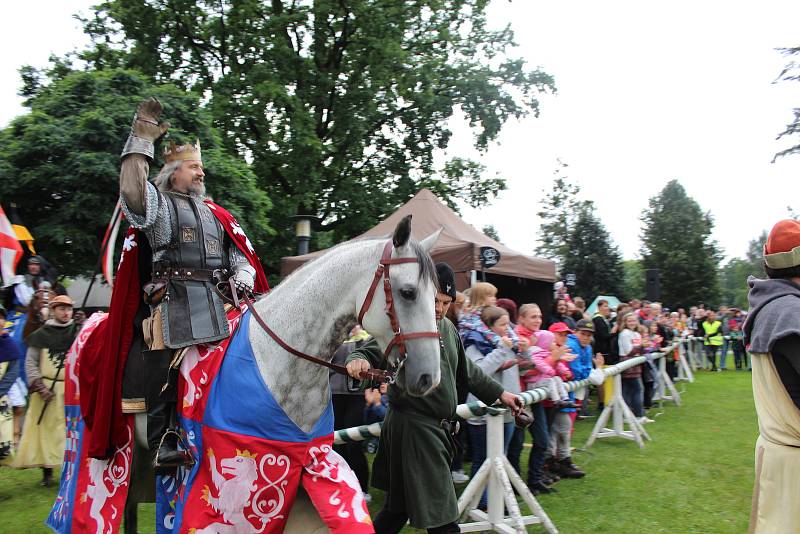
x=232, y=494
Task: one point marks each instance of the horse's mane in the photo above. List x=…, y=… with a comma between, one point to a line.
x=427, y=271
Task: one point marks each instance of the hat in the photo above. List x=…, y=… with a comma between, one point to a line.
x=61, y=300
x=585, y=324
x=447, y=279
x=34, y=259
x=559, y=327
x=782, y=249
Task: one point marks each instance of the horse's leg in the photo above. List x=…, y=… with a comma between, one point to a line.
x=303, y=517
x=130, y=517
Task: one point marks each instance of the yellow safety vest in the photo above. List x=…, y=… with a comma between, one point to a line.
x=713, y=333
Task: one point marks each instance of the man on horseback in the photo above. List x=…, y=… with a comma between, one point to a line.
x=415, y=424
x=194, y=260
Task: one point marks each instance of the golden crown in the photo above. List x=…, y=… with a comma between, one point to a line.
x=185, y=152
x=246, y=454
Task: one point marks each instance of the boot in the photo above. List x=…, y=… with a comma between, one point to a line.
x=47, y=476
x=539, y=487
x=162, y=439
x=569, y=470
x=550, y=471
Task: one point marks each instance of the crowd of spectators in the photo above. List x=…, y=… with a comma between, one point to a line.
x=523, y=348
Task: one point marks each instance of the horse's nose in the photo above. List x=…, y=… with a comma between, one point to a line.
x=425, y=382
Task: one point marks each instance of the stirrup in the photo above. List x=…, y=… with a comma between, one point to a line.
x=187, y=459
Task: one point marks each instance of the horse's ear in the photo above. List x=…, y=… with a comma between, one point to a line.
x=403, y=232
x=428, y=243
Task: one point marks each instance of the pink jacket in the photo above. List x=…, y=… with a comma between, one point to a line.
x=545, y=367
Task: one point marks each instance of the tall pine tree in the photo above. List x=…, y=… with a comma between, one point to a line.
x=559, y=211
x=677, y=239
x=592, y=257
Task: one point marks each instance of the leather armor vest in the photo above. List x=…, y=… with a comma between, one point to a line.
x=195, y=260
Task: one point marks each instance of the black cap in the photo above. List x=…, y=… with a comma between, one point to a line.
x=585, y=324
x=35, y=259
x=447, y=279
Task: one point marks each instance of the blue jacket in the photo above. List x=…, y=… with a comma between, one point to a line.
x=582, y=365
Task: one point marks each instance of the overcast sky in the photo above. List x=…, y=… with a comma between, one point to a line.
x=647, y=92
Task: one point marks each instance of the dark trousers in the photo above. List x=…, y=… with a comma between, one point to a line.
x=633, y=394
x=541, y=440
x=739, y=355
x=711, y=354
x=348, y=411
x=515, y=447
x=388, y=522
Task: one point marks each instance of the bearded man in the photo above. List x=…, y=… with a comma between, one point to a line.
x=197, y=247
x=42, y=443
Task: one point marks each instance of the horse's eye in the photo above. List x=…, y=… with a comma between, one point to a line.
x=408, y=293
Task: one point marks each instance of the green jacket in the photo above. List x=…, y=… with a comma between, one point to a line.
x=414, y=451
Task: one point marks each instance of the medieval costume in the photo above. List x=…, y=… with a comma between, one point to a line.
x=9, y=371
x=42, y=443
x=772, y=333
x=416, y=446
x=188, y=249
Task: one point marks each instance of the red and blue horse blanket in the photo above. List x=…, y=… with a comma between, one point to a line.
x=250, y=456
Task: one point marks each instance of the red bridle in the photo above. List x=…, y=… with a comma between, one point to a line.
x=399, y=339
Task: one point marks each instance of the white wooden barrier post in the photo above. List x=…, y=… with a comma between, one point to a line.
x=666, y=384
x=684, y=369
x=619, y=413
x=497, y=476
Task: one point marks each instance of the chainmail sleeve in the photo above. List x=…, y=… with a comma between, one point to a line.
x=148, y=210
x=236, y=256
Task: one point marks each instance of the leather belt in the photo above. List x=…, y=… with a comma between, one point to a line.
x=178, y=273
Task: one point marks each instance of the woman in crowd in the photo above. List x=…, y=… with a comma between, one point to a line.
x=630, y=346
x=501, y=363
x=559, y=314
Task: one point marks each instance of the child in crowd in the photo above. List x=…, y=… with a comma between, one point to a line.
x=483, y=294
x=737, y=344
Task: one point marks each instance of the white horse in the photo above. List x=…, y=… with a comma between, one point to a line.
x=312, y=311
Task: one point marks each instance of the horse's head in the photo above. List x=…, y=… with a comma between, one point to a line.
x=413, y=288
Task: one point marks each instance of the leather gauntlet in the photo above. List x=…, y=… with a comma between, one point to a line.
x=145, y=129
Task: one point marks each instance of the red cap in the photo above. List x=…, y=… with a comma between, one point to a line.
x=782, y=249
x=559, y=327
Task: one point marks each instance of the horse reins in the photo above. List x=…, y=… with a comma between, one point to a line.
x=399, y=339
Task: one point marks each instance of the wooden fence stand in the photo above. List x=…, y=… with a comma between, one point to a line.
x=620, y=413
x=666, y=384
x=684, y=369
x=497, y=475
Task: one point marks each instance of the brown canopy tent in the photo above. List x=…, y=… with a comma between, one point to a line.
x=523, y=278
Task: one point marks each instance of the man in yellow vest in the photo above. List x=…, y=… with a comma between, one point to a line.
x=712, y=339
x=772, y=335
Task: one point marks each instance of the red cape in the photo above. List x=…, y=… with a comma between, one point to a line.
x=105, y=353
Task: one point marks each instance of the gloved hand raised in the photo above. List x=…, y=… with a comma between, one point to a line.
x=145, y=121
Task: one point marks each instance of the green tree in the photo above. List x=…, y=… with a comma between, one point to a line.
x=559, y=210
x=791, y=73
x=490, y=231
x=633, y=285
x=734, y=274
x=340, y=105
x=593, y=257
x=678, y=240
x=60, y=162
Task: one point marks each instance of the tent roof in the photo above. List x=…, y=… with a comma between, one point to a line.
x=459, y=244
x=613, y=302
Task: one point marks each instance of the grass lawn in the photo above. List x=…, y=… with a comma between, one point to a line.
x=695, y=476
